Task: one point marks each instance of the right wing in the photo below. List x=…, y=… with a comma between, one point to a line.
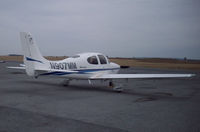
x=139, y=76
x=108, y=76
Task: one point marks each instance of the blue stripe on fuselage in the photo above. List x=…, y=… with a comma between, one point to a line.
x=95, y=70
x=56, y=73
x=85, y=71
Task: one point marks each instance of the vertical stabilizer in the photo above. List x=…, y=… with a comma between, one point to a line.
x=32, y=56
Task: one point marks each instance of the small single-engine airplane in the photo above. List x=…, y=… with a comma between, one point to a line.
x=88, y=66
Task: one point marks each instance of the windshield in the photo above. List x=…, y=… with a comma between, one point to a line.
x=102, y=59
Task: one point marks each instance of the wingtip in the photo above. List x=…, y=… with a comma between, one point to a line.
x=192, y=75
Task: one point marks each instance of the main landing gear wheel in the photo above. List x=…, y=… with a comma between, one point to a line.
x=66, y=82
x=117, y=88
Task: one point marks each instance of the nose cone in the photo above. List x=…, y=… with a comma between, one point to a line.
x=114, y=65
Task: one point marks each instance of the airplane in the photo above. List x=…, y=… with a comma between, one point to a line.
x=83, y=66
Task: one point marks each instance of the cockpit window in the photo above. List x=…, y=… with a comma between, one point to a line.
x=102, y=59
x=92, y=60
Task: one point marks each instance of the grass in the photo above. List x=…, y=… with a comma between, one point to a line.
x=158, y=63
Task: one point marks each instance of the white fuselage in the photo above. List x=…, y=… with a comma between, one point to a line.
x=85, y=65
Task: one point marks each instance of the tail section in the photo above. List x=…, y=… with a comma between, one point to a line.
x=32, y=57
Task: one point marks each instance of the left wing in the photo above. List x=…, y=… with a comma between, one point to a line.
x=139, y=76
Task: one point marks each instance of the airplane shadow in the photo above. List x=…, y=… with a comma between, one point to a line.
x=34, y=87
x=153, y=96
x=48, y=85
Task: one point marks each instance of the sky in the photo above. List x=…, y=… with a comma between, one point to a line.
x=117, y=28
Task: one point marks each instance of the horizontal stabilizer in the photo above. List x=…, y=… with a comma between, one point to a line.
x=13, y=67
x=46, y=71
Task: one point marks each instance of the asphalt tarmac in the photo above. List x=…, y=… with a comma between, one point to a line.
x=44, y=104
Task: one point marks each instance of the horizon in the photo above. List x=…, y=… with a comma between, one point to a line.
x=185, y=58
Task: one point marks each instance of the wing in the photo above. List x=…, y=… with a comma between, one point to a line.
x=110, y=76
x=139, y=76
